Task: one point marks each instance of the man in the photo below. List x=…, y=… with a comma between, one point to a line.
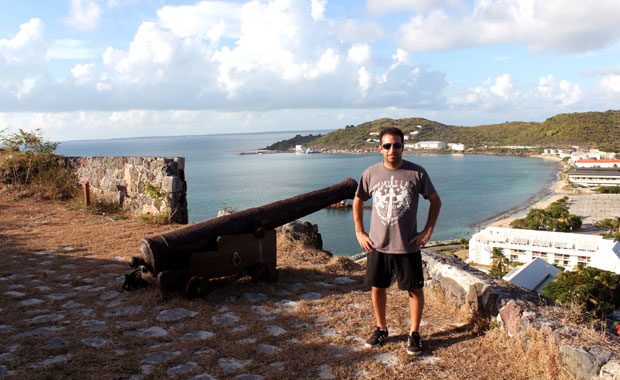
x=394, y=242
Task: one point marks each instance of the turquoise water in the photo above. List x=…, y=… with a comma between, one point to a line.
x=473, y=188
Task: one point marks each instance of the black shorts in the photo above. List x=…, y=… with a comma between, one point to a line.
x=381, y=268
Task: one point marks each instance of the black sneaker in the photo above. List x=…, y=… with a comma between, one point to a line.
x=377, y=338
x=414, y=344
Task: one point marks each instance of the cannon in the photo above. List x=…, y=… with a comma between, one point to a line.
x=241, y=242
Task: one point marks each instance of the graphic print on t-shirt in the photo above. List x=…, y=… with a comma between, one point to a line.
x=391, y=199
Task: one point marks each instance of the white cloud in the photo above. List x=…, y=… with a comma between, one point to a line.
x=560, y=25
x=211, y=19
x=503, y=86
x=364, y=80
x=359, y=53
x=71, y=49
x=382, y=7
x=83, y=15
x=318, y=9
x=360, y=31
x=564, y=92
x=610, y=84
x=22, y=59
x=83, y=73
x=401, y=56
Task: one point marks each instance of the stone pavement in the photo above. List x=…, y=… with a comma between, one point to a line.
x=62, y=316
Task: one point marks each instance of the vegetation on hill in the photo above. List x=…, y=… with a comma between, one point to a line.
x=290, y=143
x=554, y=218
x=588, y=129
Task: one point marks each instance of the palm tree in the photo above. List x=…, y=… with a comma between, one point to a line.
x=499, y=265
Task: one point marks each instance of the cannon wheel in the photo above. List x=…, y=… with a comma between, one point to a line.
x=263, y=273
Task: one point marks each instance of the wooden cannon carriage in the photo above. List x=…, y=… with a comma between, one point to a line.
x=241, y=242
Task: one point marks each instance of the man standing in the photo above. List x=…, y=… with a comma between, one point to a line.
x=394, y=242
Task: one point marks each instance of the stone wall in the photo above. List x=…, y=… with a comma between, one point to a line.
x=517, y=310
x=141, y=185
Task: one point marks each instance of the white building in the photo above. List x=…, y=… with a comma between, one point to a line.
x=594, y=177
x=602, y=163
x=430, y=145
x=565, y=249
x=456, y=146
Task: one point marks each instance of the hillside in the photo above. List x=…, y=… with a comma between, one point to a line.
x=589, y=129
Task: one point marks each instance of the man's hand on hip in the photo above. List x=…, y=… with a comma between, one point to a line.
x=364, y=240
x=422, y=238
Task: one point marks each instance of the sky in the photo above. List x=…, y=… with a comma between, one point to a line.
x=95, y=69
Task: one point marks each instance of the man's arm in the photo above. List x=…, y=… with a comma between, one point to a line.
x=433, y=213
x=358, y=219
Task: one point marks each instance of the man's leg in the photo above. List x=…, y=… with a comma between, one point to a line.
x=379, y=301
x=416, y=306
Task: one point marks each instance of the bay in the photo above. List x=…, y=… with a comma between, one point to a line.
x=473, y=188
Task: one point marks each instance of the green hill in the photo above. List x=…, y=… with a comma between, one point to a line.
x=589, y=129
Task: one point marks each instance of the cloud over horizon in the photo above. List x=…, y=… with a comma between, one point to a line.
x=270, y=55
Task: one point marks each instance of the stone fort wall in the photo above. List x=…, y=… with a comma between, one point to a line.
x=140, y=185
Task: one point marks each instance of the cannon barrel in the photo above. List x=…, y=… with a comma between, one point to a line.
x=172, y=251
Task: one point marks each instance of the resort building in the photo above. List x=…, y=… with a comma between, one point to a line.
x=568, y=250
x=456, y=146
x=430, y=145
x=602, y=163
x=594, y=177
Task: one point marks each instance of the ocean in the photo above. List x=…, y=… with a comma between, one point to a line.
x=473, y=188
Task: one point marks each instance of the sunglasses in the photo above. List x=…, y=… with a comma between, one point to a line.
x=387, y=146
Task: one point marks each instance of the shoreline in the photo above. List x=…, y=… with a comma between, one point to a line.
x=556, y=190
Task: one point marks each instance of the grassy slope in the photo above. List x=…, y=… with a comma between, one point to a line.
x=588, y=129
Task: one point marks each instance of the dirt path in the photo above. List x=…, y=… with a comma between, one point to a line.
x=62, y=316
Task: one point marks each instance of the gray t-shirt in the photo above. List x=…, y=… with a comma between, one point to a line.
x=394, y=204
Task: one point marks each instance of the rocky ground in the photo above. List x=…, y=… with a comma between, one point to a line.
x=62, y=315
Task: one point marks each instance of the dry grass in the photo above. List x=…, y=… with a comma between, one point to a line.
x=92, y=250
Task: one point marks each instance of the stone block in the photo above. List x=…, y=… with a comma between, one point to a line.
x=510, y=316
x=171, y=184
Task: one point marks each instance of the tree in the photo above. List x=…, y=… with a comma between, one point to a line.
x=589, y=288
x=500, y=263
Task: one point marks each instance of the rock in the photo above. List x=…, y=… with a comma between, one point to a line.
x=275, y=330
x=95, y=342
x=306, y=232
x=581, y=362
x=611, y=370
x=181, y=368
x=233, y=365
x=510, y=316
x=175, y=314
x=150, y=332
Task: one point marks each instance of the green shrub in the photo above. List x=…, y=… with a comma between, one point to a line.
x=608, y=189
x=27, y=160
x=589, y=288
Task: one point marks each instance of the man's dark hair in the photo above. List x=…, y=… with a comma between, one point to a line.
x=392, y=131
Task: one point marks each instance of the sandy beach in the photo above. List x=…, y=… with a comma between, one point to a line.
x=585, y=203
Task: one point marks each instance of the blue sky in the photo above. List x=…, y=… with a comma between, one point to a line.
x=82, y=69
